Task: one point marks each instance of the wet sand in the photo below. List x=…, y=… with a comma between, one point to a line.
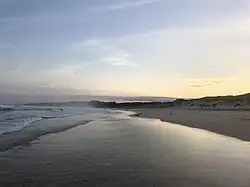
x=28, y=134
x=128, y=152
x=230, y=123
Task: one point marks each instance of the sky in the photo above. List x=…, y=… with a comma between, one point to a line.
x=180, y=48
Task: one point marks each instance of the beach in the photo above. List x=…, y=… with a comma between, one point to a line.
x=115, y=149
x=233, y=123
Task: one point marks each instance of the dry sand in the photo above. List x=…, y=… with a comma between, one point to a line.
x=230, y=123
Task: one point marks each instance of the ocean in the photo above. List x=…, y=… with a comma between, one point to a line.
x=16, y=117
x=83, y=146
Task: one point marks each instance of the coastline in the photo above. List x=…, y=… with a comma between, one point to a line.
x=120, y=151
x=29, y=134
x=230, y=123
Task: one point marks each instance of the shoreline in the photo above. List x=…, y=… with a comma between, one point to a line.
x=29, y=134
x=234, y=124
x=131, y=152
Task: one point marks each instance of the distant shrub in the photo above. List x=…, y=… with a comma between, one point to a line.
x=202, y=105
x=191, y=105
x=215, y=104
x=179, y=102
x=237, y=105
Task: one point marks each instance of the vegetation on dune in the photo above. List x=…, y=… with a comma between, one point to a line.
x=204, y=103
x=100, y=104
x=239, y=101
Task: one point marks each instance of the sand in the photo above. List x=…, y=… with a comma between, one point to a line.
x=230, y=123
x=27, y=135
x=123, y=151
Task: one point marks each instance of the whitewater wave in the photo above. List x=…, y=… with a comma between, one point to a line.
x=6, y=128
x=6, y=108
x=13, y=124
x=61, y=116
x=27, y=135
x=16, y=117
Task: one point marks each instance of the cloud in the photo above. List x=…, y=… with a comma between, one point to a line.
x=214, y=82
x=70, y=76
x=197, y=85
x=205, y=83
x=22, y=78
x=120, y=60
x=69, y=70
x=108, y=53
x=207, y=41
x=130, y=4
x=17, y=68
